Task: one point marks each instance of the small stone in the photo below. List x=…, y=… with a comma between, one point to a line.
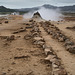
x=6, y=21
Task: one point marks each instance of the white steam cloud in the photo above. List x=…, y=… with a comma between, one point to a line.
x=47, y=14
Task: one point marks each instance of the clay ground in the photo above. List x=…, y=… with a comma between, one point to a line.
x=32, y=63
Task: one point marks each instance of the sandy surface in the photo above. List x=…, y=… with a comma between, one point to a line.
x=32, y=63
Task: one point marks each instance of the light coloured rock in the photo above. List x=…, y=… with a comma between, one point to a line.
x=54, y=66
x=50, y=57
x=38, y=39
x=39, y=43
x=48, y=51
x=35, y=34
x=61, y=39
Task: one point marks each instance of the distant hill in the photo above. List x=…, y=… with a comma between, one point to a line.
x=68, y=8
x=49, y=6
x=4, y=9
x=64, y=8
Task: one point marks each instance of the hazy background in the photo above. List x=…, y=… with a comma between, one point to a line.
x=47, y=14
x=34, y=3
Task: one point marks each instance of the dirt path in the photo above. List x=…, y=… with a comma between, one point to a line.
x=67, y=59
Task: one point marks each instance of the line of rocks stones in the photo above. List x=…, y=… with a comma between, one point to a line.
x=35, y=35
x=57, y=34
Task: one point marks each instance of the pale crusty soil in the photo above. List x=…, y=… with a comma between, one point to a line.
x=67, y=58
x=32, y=64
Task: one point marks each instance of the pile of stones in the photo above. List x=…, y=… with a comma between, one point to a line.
x=38, y=40
x=57, y=34
x=8, y=38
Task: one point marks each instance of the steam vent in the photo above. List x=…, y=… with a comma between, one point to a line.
x=37, y=15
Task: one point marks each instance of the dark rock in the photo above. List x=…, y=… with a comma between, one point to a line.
x=0, y=23
x=68, y=42
x=21, y=57
x=6, y=21
x=10, y=38
x=31, y=20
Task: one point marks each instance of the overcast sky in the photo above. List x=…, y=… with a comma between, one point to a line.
x=34, y=3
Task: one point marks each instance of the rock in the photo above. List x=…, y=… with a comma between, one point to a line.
x=51, y=32
x=35, y=29
x=4, y=73
x=43, y=46
x=61, y=39
x=27, y=24
x=59, y=72
x=15, y=32
x=27, y=37
x=22, y=30
x=21, y=57
x=68, y=42
x=10, y=38
x=6, y=21
x=0, y=23
x=73, y=28
x=38, y=39
x=47, y=22
x=71, y=49
x=6, y=44
x=48, y=51
x=50, y=57
x=57, y=62
x=13, y=63
x=54, y=66
x=31, y=20
x=35, y=34
x=3, y=37
x=40, y=43
x=30, y=26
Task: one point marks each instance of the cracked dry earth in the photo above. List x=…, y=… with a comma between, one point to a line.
x=19, y=56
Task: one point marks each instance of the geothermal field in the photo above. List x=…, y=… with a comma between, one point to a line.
x=31, y=44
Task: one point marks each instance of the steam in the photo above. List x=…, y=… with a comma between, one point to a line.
x=28, y=15
x=47, y=14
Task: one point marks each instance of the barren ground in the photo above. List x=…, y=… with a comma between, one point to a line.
x=32, y=63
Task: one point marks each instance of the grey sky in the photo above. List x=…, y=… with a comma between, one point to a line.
x=34, y=3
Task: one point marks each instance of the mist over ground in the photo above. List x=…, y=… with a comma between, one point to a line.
x=47, y=14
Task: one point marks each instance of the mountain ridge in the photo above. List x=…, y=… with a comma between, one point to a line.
x=63, y=8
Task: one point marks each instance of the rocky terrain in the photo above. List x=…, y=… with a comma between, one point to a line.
x=36, y=47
